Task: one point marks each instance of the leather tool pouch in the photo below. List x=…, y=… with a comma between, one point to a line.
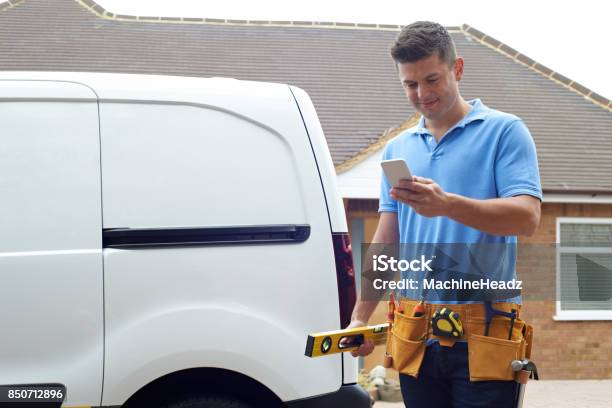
x=406, y=343
x=528, y=340
x=490, y=357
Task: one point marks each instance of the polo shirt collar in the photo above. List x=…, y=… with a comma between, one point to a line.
x=478, y=112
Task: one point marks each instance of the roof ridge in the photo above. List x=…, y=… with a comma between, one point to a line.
x=510, y=52
x=5, y=5
x=378, y=144
x=101, y=12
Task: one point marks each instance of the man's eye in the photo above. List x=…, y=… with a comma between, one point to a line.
x=410, y=85
x=433, y=81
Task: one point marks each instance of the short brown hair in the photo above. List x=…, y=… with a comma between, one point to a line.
x=422, y=39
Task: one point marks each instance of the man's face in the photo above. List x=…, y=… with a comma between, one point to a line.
x=431, y=85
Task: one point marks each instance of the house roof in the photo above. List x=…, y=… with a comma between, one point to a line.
x=344, y=67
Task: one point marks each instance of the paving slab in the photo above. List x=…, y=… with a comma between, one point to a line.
x=557, y=394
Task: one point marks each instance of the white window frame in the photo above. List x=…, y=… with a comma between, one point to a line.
x=577, y=314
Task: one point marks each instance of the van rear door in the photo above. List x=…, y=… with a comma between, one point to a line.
x=337, y=219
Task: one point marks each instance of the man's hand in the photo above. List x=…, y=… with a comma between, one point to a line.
x=367, y=347
x=424, y=195
x=516, y=215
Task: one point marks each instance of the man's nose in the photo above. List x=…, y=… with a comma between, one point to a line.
x=422, y=91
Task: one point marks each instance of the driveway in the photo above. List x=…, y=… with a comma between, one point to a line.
x=557, y=394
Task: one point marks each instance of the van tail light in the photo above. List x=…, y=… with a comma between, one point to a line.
x=345, y=274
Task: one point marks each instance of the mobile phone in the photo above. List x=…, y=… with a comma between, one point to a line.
x=396, y=170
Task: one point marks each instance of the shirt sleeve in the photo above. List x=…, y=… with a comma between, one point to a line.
x=516, y=163
x=386, y=203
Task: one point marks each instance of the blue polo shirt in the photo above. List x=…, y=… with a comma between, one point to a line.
x=487, y=154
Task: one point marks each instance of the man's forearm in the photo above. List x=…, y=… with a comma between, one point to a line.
x=385, y=240
x=499, y=216
x=370, y=296
x=363, y=310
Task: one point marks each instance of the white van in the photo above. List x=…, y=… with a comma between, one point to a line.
x=170, y=241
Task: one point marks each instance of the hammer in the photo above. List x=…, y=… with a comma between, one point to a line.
x=490, y=311
x=525, y=369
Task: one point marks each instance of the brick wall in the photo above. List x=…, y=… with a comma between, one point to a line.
x=562, y=349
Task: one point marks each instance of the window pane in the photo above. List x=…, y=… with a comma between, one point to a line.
x=591, y=235
x=586, y=281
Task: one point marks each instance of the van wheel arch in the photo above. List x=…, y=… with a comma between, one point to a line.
x=203, y=382
x=211, y=401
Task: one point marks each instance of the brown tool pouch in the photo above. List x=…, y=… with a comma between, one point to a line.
x=406, y=343
x=490, y=357
x=528, y=340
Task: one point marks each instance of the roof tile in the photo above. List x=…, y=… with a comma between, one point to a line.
x=474, y=32
x=525, y=60
x=603, y=100
x=491, y=41
x=543, y=69
x=356, y=106
x=126, y=16
x=508, y=50
x=563, y=79
x=580, y=88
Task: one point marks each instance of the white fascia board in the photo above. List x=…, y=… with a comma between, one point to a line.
x=578, y=198
x=363, y=182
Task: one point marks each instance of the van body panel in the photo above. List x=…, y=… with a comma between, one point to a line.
x=274, y=293
x=165, y=152
x=213, y=333
x=325, y=164
x=235, y=155
x=176, y=165
x=51, y=298
x=41, y=90
x=335, y=205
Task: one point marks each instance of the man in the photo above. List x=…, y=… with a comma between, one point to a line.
x=476, y=180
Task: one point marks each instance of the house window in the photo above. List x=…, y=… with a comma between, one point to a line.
x=584, y=269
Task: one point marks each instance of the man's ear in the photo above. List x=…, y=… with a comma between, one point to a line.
x=458, y=68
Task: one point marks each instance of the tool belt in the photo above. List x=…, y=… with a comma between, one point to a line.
x=490, y=356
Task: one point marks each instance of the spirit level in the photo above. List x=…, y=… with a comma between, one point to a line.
x=338, y=341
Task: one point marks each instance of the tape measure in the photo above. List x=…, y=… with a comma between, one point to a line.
x=324, y=343
x=446, y=323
